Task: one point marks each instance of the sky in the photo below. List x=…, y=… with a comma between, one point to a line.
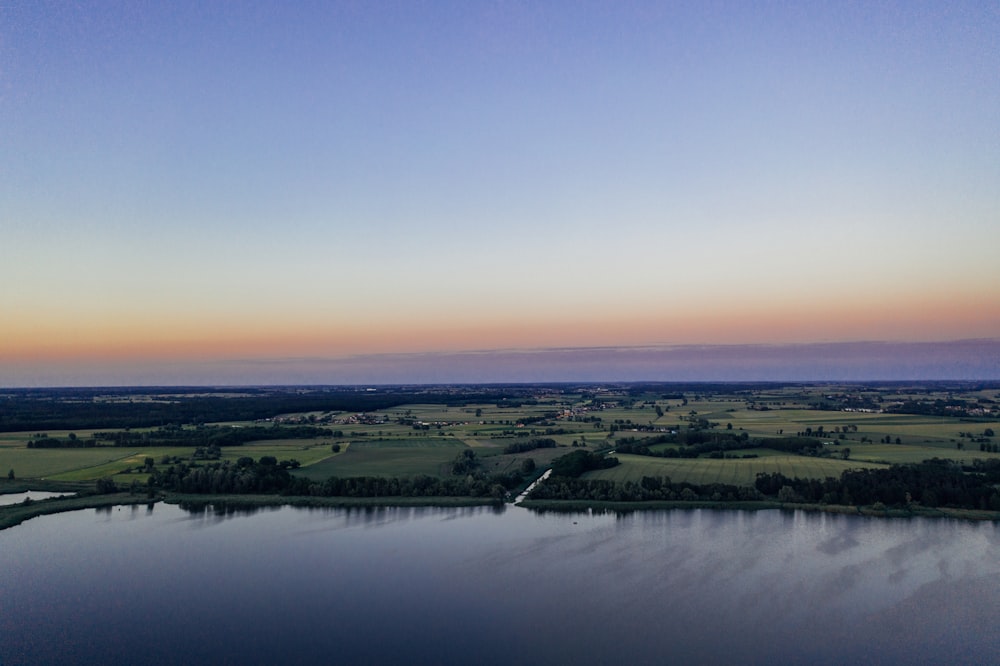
x=263, y=192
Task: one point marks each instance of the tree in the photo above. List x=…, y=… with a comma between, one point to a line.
x=10, y=475
x=335, y=448
x=465, y=462
x=787, y=494
x=527, y=466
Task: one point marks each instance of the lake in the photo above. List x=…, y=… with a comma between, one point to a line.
x=158, y=585
x=34, y=495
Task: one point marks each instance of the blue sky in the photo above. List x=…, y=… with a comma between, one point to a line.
x=184, y=183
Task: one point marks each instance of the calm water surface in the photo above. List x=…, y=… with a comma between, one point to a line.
x=17, y=498
x=155, y=585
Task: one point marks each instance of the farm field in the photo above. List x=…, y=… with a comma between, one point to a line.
x=933, y=431
x=73, y=464
x=502, y=463
x=306, y=451
x=386, y=460
x=902, y=454
x=20, y=439
x=98, y=462
x=734, y=471
x=425, y=437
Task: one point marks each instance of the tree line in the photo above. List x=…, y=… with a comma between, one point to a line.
x=692, y=444
x=649, y=489
x=576, y=463
x=940, y=407
x=932, y=483
x=201, y=436
x=530, y=445
x=80, y=408
x=270, y=476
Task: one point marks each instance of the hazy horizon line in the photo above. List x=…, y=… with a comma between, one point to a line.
x=666, y=346
x=974, y=359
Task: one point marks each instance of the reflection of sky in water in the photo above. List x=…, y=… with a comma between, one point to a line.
x=461, y=585
x=35, y=495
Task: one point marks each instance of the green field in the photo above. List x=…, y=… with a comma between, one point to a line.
x=737, y=472
x=424, y=438
x=306, y=451
x=20, y=439
x=78, y=464
x=893, y=453
x=386, y=460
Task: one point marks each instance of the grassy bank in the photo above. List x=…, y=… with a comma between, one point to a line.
x=335, y=502
x=43, y=485
x=15, y=514
x=584, y=505
x=575, y=506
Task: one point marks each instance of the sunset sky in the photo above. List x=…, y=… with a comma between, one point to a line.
x=266, y=192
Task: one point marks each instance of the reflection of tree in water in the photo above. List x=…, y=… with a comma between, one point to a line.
x=221, y=509
x=365, y=516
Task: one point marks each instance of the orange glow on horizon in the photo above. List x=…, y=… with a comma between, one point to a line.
x=221, y=337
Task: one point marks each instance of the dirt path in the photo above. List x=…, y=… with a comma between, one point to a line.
x=522, y=496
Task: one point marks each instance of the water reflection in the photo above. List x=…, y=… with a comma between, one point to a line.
x=367, y=516
x=462, y=585
x=33, y=495
x=207, y=514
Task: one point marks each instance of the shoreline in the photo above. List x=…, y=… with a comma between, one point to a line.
x=15, y=514
x=254, y=501
x=580, y=506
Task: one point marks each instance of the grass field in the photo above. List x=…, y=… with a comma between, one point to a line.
x=408, y=443
x=910, y=428
x=98, y=462
x=385, y=460
x=132, y=459
x=502, y=463
x=392, y=446
x=78, y=464
x=894, y=453
x=306, y=451
x=737, y=472
x=20, y=439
